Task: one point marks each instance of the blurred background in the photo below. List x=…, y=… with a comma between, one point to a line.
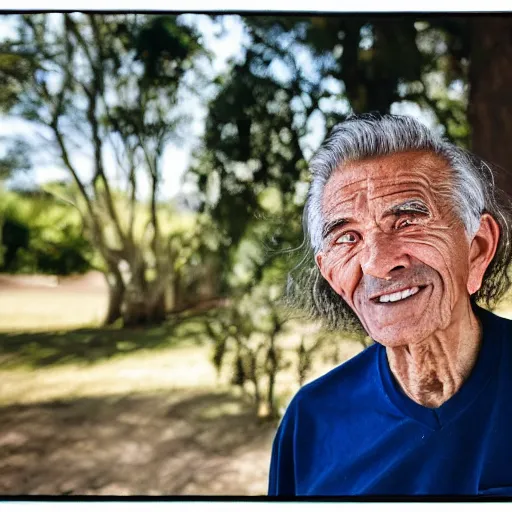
x=153, y=169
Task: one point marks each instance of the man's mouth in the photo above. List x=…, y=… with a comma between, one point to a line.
x=397, y=296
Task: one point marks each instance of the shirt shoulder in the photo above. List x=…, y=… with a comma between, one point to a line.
x=352, y=381
x=498, y=330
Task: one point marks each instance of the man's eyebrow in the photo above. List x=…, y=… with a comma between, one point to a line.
x=412, y=205
x=332, y=225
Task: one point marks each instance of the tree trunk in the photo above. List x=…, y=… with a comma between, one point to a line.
x=116, y=296
x=177, y=296
x=158, y=309
x=254, y=379
x=490, y=99
x=143, y=309
x=272, y=367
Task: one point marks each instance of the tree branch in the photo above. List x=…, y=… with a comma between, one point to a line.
x=92, y=95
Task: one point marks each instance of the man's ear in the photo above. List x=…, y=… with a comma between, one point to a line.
x=482, y=251
x=324, y=269
x=319, y=258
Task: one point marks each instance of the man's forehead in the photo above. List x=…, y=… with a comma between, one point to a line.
x=376, y=177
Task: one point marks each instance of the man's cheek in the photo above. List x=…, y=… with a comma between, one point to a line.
x=434, y=252
x=440, y=255
x=452, y=273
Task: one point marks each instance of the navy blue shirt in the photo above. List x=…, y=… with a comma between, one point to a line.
x=354, y=432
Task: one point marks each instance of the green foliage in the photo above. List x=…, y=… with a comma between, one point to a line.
x=15, y=239
x=246, y=335
x=166, y=48
x=304, y=71
x=251, y=337
x=40, y=236
x=14, y=70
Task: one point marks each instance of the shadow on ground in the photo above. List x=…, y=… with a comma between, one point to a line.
x=159, y=444
x=86, y=346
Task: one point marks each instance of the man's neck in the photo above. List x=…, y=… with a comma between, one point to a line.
x=433, y=370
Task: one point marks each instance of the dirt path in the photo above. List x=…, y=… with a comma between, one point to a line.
x=178, y=443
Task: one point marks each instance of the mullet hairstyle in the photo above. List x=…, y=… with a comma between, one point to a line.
x=472, y=191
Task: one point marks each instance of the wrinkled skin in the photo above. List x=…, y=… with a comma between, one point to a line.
x=400, y=231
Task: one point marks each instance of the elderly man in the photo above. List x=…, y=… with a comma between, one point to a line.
x=407, y=232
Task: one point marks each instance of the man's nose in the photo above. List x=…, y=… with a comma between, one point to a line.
x=383, y=254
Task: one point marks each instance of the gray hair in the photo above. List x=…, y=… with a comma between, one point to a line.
x=472, y=191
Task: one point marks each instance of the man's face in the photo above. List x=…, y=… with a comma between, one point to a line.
x=394, y=248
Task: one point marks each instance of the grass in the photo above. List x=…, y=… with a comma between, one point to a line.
x=84, y=346
x=153, y=421
x=38, y=367
x=55, y=326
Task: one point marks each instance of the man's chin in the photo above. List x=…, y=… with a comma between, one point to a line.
x=394, y=336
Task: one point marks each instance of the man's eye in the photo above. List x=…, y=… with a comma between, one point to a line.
x=346, y=238
x=403, y=223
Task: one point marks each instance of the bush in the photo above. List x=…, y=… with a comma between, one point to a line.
x=40, y=236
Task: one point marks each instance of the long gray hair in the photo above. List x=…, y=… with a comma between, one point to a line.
x=472, y=191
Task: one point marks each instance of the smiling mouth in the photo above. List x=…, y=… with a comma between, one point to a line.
x=398, y=296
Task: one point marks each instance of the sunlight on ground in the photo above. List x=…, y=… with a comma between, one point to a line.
x=143, y=371
x=225, y=409
x=45, y=310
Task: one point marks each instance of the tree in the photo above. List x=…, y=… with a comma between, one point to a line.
x=490, y=105
x=455, y=67
x=311, y=71
x=41, y=236
x=109, y=85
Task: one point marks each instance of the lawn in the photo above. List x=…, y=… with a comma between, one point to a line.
x=89, y=410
